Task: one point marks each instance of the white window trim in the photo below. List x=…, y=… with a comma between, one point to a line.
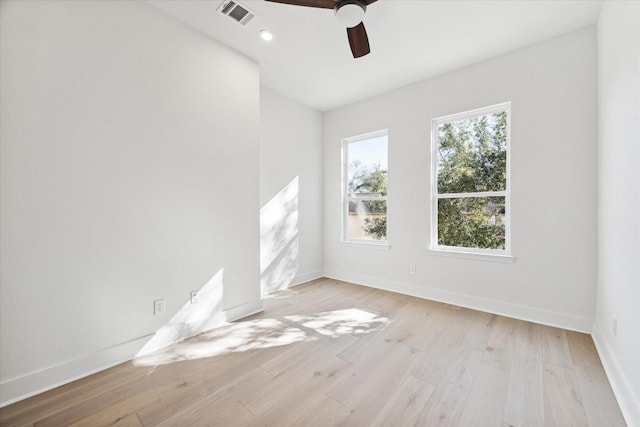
x=499, y=255
x=345, y=240
x=472, y=253
x=360, y=243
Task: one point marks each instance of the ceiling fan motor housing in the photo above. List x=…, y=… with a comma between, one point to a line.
x=350, y=12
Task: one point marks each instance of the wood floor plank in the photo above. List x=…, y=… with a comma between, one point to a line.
x=297, y=357
x=447, y=401
x=524, y=406
x=193, y=393
x=431, y=364
x=95, y=405
x=435, y=329
x=330, y=353
x=386, y=303
x=121, y=411
x=227, y=412
x=404, y=407
x=280, y=403
x=131, y=420
x=311, y=364
x=384, y=364
x=598, y=400
x=322, y=411
x=555, y=347
x=583, y=350
x=295, y=385
x=486, y=402
x=479, y=329
x=172, y=387
x=360, y=349
x=562, y=398
x=69, y=395
x=204, y=376
x=366, y=388
x=500, y=343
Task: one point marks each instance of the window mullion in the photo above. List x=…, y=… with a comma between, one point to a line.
x=367, y=198
x=478, y=194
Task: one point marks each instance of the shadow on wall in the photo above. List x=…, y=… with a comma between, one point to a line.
x=265, y=333
x=191, y=319
x=279, y=248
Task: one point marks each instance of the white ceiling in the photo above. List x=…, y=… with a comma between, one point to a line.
x=309, y=59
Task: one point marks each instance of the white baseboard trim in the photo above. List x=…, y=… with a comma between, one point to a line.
x=243, y=310
x=299, y=279
x=627, y=400
x=25, y=386
x=531, y=314
x=19, y=388
x=305, y=277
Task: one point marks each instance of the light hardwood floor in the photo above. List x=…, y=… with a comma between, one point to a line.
x=329, y=353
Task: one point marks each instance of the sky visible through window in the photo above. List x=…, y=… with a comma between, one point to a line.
x=370, y=152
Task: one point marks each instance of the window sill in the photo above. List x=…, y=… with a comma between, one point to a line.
x=481, y=256
x=369, y=245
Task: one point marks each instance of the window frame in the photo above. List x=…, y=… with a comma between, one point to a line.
x=345, y=239
x=501, y=255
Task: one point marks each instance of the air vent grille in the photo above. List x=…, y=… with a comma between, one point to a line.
x=226, y=8
x=236, y=11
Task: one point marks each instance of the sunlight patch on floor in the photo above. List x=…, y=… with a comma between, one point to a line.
x=265, y=333
x=342, y=322
x=230, y=338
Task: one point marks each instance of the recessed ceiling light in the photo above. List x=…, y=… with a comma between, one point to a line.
x=266, y=35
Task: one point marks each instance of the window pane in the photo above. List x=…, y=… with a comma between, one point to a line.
x=472, y=222
x=367, y=219
x=367, y=167
x=472, y=154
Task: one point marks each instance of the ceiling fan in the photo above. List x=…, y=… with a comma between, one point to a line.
x=350, y=13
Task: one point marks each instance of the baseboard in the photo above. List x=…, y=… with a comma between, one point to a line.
x=19, y=388
x=531, y=314
x=243, y=310
x=299, y=279
x=627, y=400
x=306, y=277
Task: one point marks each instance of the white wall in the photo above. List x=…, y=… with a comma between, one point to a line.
x=552, y=87
x=618, y=293
x=290, y=192
x=129, y=172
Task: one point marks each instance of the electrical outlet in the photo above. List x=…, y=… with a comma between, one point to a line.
x=412, y=269
x=614, y=327
x=194, y=297
x=159, y=306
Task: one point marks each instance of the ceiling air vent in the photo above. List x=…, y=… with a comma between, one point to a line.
x=238, y=12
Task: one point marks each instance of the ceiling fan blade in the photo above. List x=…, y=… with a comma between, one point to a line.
x=368, y=2
x=323, y=4
x=358, y=40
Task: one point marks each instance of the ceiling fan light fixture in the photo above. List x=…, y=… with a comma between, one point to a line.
x=350, y=12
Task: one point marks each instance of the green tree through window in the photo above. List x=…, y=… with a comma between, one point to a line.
x=471, y=194
x=370, y=180
x=365, y=188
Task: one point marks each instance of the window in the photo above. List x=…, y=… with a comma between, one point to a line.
x=364, y=188
x=470, y=181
